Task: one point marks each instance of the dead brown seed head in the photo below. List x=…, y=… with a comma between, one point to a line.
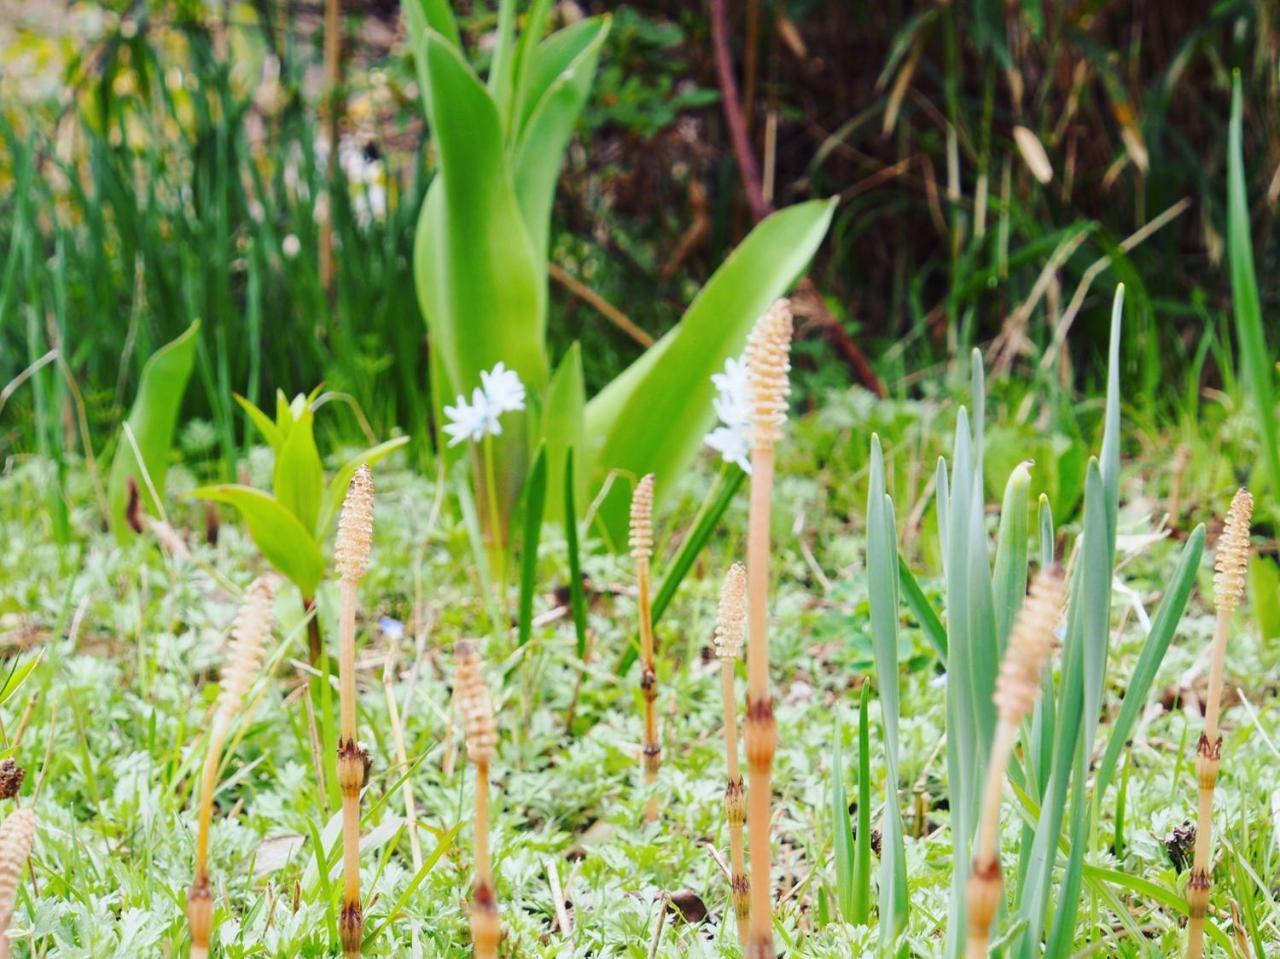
x=732, y=618
x=641, y=536
x=355, y=527
x=11, y=778
x=472, y=695
x=1030, y=645
x=249, y=635
x=1232, y=558
x=768, y=362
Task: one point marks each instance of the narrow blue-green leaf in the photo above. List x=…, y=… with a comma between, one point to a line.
x=942, y=496
x=1047, y=535
x=577, y=600
x=535, y=498
x=1254, y=357
x=501, y=72
x=842, y=831
x=152, y=420
x=653, y=417
x=862, y=839
x=1009, y=580
x=724, y=493
x=1163, y=626
x=1110, y=458
x=882, y=568
x=923, y=610
x=283, y=540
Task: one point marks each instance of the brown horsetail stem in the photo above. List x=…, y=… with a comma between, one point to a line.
x=1017, y=689
x=641, y=541
x=472, y=696
x=1230, y=566
x=351, y=558
x=728, y=641
x=768, y=359
x=17, y=834
x=249, y=635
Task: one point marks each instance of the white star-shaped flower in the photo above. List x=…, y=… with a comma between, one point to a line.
x=503, y=389
x=471, y=421
x=732, y=439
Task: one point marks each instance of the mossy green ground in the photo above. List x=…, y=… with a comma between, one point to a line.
x=110, y=727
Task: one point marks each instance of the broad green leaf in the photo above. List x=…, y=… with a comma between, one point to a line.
x=545, y=136
x=563, y=427
x=549, y=61
x=652, y=418
x=535, y=24
x=1264, y=594
x=19, y=671
x=479, y=279
x=1254, y=357
x=500, y=65
x=336, y=491
x=263, y=422
x=436, y=14
x=151, y=420
x=283, y=540
x=535, y=498
x=298, y=478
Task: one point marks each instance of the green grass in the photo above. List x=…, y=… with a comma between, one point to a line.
x=115, y=733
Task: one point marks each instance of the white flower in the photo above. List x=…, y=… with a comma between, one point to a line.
x=503, y=389
x=500, y=391
x=471, y=421
x=732, y=404
x=291, y=246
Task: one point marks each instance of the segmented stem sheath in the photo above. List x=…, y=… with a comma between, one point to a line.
x=728, y=642
x=768, y=362
x=476, y=707
x=1230, y=568
x=641, y=542
x=351, y=558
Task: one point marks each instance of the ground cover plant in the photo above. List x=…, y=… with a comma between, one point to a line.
x=444, y=657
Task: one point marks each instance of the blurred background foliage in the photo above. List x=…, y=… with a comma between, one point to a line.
x=999, y=167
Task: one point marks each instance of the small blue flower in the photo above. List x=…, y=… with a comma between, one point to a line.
x=393, y=629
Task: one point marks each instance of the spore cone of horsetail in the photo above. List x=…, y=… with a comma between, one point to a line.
x=1018, y=687
x=17, y=834
x=249, y=635
x=1230, y=569
x=472, y=696
x=768, y=360
x=730, y=625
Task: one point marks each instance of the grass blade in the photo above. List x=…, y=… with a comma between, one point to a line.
x=535, y=498
x=577, y=599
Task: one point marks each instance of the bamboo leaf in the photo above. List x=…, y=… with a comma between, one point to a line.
x=336, y=491
x=283, y=540
x=298, y=478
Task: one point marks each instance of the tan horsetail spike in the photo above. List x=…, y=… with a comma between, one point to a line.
x=641, y=542
x=768, y=360
x=1017, y=689
x=17, y=834
x=351, y=558
x=249, y=635
x=472, y=696
x=731, y=618
x=730, y=622
x=1230, y=567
